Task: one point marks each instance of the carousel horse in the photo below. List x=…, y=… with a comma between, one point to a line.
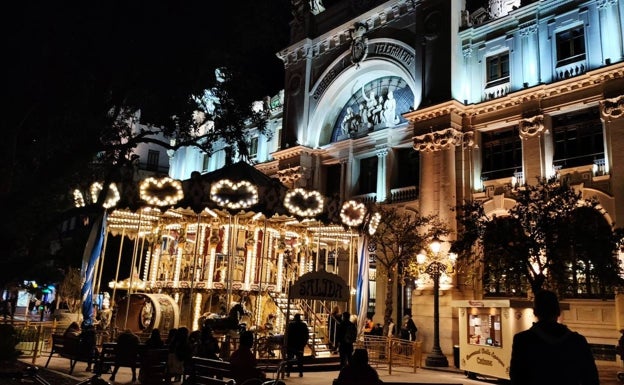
x=224, y=324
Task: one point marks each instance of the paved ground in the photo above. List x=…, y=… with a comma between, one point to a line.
x=423, y=376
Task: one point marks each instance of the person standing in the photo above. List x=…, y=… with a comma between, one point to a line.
x=347, y=334
x=408, y=328
x=549, y=352
x=297, y=338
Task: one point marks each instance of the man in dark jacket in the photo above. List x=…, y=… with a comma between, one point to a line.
x=549, y=352
x=297, y=339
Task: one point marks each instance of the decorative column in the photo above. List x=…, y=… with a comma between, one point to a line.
x=530, y=53
x=382, y=174
x=534, y=160
x=438, y=175
x=610, y=31
x=612, y=115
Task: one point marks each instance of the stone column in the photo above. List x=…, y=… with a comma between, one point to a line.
x=438, y=172
x=530, y=53
x=533, y=155
x=382, y=174
x=612, y=115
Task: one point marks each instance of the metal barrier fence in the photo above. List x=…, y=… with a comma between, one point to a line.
x=34, y=339
x=391, y=352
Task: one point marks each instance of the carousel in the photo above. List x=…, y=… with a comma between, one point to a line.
x=224, y=248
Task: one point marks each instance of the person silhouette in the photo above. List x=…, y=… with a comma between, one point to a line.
x=549, y=352
x=358, y=371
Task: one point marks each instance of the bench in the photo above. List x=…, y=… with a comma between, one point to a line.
x=205, y=371
x=108, y=357
x=68, y=348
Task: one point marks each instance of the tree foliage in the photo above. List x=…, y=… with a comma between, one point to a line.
x=400, y=236
x=548, y=240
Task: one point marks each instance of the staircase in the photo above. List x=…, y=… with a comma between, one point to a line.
x=316, y=322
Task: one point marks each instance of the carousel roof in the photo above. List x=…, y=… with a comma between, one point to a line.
x=238, y=189
x=199, y=190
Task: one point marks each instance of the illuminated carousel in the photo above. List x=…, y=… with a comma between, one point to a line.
x=225, y=244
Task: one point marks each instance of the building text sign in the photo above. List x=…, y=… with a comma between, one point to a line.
x=320, y=285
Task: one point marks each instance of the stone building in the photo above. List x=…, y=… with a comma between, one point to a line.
x=426, y=104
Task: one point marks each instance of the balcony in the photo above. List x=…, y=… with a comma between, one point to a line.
x=403, y=194
x=496, y=89
x=569, y=70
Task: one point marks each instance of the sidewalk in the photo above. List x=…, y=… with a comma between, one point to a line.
x=451, y=375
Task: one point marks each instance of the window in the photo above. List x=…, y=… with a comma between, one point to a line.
x=502, y=153
x=152, y=160
x=484, y=327
x=332, y=181
x=205, y=163
x=253, y=147
x=497, y=69
x=578, y=139
x=408, y=167
x=368, y=175
x=570, y=46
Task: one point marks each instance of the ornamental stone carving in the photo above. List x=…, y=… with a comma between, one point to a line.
x=528, y=29
x=291, y=175
x=439, y=140
x=612, y=108
x=531, y=127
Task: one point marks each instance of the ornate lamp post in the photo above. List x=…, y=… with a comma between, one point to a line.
x=435, y=267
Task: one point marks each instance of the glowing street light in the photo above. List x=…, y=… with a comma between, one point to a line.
x=435, y=264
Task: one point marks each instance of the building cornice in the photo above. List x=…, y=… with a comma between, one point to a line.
x=336, y=38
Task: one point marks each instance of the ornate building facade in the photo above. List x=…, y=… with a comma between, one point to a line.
x=426, y=104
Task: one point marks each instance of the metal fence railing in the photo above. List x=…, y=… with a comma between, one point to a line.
x=388, y=352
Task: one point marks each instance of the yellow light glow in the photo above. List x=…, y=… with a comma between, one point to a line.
x=161, y=192
x=78, y=198
x=240, y=195
x=112, y=196
x=374, y=222
x=352, y=213
x=304, y=203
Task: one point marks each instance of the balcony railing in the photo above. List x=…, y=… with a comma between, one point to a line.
x=571, y=69
x=496, y=90
x=403, y=194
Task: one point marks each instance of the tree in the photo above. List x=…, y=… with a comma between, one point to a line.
x=400, y=235
x=69, y=289
x=535, y=239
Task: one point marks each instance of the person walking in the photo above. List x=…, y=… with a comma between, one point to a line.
x=347, y=334
x=297, y=338
x=549, y=353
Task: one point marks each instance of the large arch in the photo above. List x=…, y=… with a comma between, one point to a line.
x=323, y=114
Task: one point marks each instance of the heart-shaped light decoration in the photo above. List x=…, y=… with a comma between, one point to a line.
x=112, y=197
x=303, y=203
x=352, y=213
x=78, y=198
x=374, y=222
x=161, y=192
x=233, y=195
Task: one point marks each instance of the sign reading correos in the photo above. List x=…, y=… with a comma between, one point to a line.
x=320, y=285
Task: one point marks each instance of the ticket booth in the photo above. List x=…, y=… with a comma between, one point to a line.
x=486, y=330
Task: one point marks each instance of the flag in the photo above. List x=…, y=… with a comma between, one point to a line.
x=90, y=257
x=362, y=283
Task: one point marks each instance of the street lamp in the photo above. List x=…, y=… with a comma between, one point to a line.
x=435, y=267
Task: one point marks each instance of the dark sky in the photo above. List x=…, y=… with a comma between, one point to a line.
x=50, y=39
